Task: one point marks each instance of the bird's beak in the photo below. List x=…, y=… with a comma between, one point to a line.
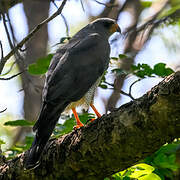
x=115, y=28
x=118, y=29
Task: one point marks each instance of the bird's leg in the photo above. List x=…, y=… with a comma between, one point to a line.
x=96, y=112
x=78, y=122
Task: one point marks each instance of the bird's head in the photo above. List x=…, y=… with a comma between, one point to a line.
x=106, y=25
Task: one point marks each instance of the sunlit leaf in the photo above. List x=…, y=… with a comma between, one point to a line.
x=41, y=65
x=114, y=58
x=21, y=122
x=151, y=176
x=2, y=142
x=141, y=170
x=170, y=11
x=122, y=56
x=146, y=4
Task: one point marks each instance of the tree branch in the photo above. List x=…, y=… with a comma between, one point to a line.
x=111, y=143
x=13, y=76
x=36, y=29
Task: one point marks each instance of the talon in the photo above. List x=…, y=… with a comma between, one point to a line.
x=78, y=126
x=91, y=120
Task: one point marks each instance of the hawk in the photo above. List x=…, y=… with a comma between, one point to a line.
x=72, y=78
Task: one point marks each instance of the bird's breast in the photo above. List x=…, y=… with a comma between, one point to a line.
x=87, y=99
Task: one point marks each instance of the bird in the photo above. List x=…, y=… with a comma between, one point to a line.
x=71, y=80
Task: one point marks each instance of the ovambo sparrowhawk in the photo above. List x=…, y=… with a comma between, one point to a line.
x=73, y=76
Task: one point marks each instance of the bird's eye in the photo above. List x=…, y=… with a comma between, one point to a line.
x=107, y=25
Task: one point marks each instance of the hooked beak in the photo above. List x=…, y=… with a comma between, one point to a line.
x=118, y=29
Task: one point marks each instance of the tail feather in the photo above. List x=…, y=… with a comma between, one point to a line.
x=44, y=128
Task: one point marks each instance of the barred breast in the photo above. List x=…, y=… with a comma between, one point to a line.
x=87, y=99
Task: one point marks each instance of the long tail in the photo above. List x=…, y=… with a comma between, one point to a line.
x=44, y=127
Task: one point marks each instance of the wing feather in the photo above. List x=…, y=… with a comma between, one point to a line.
x=77, y=70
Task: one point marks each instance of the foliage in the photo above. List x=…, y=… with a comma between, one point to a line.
x=158, y=166
x=1, y=142
x=164, y=160
x=60, y=129
x=69, y=123
x=144, y=70
x=41, y=65
x=21, y=122
x=17, y=149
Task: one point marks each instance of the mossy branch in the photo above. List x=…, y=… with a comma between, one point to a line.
x=111, y=143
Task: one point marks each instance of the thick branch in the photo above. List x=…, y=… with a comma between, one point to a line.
x=111, y=143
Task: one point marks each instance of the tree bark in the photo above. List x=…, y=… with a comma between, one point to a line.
x=111, y=143
x=36, y=48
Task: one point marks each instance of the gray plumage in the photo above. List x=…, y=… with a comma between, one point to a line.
x=74, y=69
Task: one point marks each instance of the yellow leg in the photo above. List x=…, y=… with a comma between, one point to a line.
x=96, y=112
x=78, y=122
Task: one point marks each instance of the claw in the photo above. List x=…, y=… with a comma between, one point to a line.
x=78, y=126
x=91, y=120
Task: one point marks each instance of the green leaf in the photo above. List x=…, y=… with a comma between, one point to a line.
x=114, y=58
x=164, y=173
x=2, y=142
x=28, y=142
x=122, y=56
x=103, y=86
x=161, y=70
x=21, y=122
x=142, y=70
x=70, y=123
x=141, y=170
x=151, y=176
x=170, y=12
x=169, y=71
x=118, y=71
x=165, y=161
x=41, y=65
x=146, y=4
x=134, y=67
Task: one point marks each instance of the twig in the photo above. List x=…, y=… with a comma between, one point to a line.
x=66, y=24
x=11, y=29
x=130, y=88
x=82, y=5
x=3, y=110
x=36, y=29
x=7, y=32
x=104, y=4
x=121, y=91
x=2, y=53
x=64, y=19
x=11, y=77
x=9, y=69
x=151, y=21
x=17, y=54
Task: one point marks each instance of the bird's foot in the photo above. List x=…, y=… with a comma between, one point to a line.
x=91, y=120
x=78, y=126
